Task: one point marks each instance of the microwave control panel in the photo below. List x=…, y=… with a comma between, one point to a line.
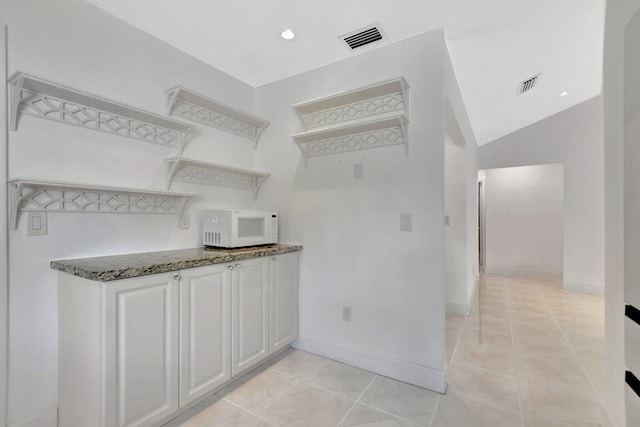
x=274, y=228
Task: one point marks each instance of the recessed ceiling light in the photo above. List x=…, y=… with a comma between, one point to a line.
x=287, y=34
x=565, y=93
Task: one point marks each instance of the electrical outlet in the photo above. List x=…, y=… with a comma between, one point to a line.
x=36, y=223
x=346, y=314
x=185, y=222
x=358, y=171
x=406, y=222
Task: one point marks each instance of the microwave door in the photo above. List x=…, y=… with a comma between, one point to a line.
x=251, y=230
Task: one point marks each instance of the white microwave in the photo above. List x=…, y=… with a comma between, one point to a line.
x=231, y=228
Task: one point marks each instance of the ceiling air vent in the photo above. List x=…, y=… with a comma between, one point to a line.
x=363, y=36
x=528, y=84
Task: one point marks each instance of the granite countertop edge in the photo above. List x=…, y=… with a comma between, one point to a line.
x=126, y=266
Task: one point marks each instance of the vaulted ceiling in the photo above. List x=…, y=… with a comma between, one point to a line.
x=493, y=44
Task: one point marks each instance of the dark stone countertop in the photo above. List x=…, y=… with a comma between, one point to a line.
x=115, y=267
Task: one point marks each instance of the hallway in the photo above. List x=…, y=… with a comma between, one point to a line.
x=529, y=354
x=530, y=349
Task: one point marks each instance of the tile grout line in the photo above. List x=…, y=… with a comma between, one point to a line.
x=584, y=370
x=513, y=346
x=389, y=413
x=435, y=409
x=257, y=414
x=455, y=347
x=358, y=399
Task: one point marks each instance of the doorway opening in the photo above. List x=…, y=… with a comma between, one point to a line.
x=520, y=221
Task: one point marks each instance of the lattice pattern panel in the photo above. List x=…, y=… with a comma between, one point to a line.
x=66, y=200
x=205, y=176
x=212, y=119
x=358, y=141
x=367, y=108
x=49, y=107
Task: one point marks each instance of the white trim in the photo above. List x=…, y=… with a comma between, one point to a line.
x=524, y=274
x=4, y=230
x=48, y=417
x=422, y=376
x=465, y=309
x=588, y=288
x=459, y=309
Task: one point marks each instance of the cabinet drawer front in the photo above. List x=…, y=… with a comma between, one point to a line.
x=144, y=317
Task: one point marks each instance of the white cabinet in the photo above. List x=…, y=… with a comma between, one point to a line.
x=133, y=352
x=283, y=294
x=205, y=330
x=142, y=333
x=250, y=324
x=118, y=351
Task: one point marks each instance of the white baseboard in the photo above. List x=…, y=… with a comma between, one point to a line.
x=46, y=418
x=459, y=309
x=421, y=376
x=524, y=274
x=464, y=309
x=583, y=287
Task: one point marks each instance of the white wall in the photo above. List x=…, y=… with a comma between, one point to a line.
x=4, y=237
x=455, y=233
x=74, y=43
x=618, y=13
x=574, y=138
x=354, y=253
x=523, y=220
x=459, y=293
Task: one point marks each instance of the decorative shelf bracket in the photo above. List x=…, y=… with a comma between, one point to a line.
x=190, y=105
x=197, y=172
x=27, y=195
x=37, y=97
x=369, y=117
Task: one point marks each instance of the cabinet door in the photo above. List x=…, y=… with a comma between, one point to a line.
x=141, y=350
x=205, y=330
x=284, y=300
x=250, y=324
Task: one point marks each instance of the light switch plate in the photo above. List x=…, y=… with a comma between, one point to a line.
x=185, y=222
x=358, y=171
x=406, y=222
x=36, y=223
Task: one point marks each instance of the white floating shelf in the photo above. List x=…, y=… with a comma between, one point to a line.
x=28, y=195
x=378, y=131
x=187, y=104
x=379, y=98
x=37, y=97
x=194, y=171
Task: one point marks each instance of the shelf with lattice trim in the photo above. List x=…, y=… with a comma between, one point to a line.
x=197, y=172
x=38, y=97
x=369, y=117
x=31, y=195
x=187, y=104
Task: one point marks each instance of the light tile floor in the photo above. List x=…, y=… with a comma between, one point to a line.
x=530, y=354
